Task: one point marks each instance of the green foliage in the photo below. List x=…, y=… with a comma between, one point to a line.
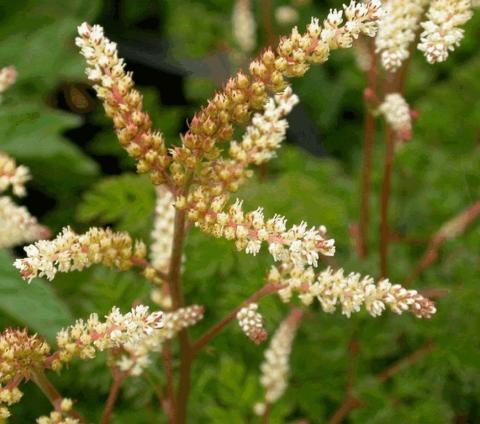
x=436, y=176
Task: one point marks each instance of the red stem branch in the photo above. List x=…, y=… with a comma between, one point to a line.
x=117, y=380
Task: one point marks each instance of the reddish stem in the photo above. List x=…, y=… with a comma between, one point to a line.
x=385, y=201
x=368, y=142
x=117, y=380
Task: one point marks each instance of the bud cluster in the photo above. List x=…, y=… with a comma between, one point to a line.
x=349, y=292
x=60, y=415
x=246, y=93
x=244, y=25
x=162, y=234
x=122, y=103
x=20, y=356
x=251, y=323
x=298, y=244
x=13, y=175
x=396, y=112
x=17, y=226
x=135, y=354
x=397, y=29
x=8, y=76
x=441, y=31
x=73, y=252
x=84, y=338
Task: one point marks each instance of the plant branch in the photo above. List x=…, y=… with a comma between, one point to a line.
x=117, y=380
x=385, y=200
x=402, y=363
x=368, y=142
x=450, y=229
x=218, y=327
x=175, y=286
x=55, y=398
x=266, y=10
x=169, y=403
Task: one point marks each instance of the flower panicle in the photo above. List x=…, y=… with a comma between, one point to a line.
x=299, y=244
x=275, y=367
x=122, y=102
x=12, y=175
x=244, y=25
x=396, y=112
x=251, y=323
x=84, y=338
x=17, y=225
x=135, y=354
x=8, y=76
x=61, y=415
x=442, y=30
x=73, y=252
x=162, y=234
x=397, y=29
x=246, y=93
x=349, y=292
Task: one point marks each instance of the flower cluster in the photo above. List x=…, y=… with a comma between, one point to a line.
x=60, y=416
x=20, y=356
x=162, y=234
x=84, y=338
x=135, y=354
x=244, y=25
x=441, y=31
x=13, y=175
x=350, y=292
x=8, y=76
x=122, y=103
x=298, y=244
x=246, y=93
x=17, y=225
x=397, y=29
x=262, y=138
x=73, y=252
x=251, y=323
x=396, y=112
x=275, y=367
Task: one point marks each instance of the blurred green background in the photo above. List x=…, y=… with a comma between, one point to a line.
x=181, y=51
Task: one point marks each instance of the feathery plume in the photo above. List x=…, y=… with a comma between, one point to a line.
x=275, y=367
x=162, y=234
x=397, y=29
x=244, y=26
x=12, y=175
x=17, y=226
x=73, y=252
x=349, y=292
x=135, y=354
x=441, y=31
x=84, y=338
x=122, y=102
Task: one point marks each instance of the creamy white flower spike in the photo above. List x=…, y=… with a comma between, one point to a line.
x=17, y=226
x=397, y=30
x=275, y=367
x=244, y=25
x=349, y=292
x=135, y=357
x=396, y=111
x=441, y=31
x=84, y=338
x=162, y=234
x=74, y=252
x=13, y=176
x=8, y=76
